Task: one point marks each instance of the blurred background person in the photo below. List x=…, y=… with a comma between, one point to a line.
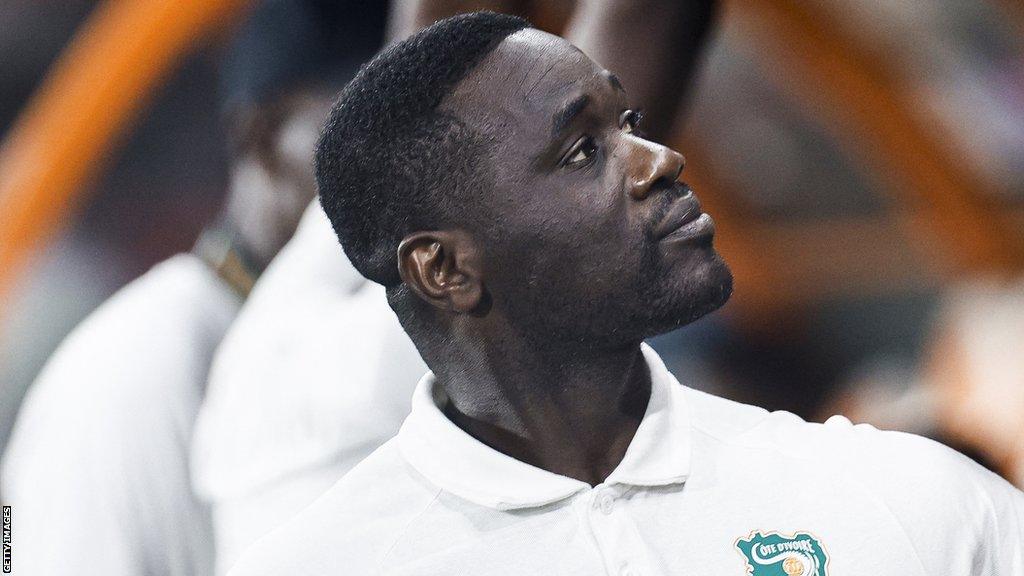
x=974, y=369
x=968, y=387
x=288, y=404
x=311, y=378
x=101, y=443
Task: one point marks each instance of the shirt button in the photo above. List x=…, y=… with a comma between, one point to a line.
x=606, y=502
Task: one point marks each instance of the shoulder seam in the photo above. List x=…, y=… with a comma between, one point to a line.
x=991, y=511
x=732, y=437
x=401, y=533
x=1020, y=526
x=699, y=426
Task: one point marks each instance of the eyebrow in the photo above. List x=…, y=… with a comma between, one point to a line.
x=566, y=114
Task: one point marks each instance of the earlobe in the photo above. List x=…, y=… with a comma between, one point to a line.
x=438, y=267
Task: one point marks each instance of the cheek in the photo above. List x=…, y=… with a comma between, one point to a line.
x=564, y=227
x=575, y=253
x=610, y=240
x=574, y=234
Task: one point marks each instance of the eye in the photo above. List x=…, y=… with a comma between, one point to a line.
x=630, y=120
x=581, y=152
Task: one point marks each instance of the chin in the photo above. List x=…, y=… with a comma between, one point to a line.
x=661, y=299
x=690, y=294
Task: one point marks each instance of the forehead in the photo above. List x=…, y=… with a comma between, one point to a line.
x=526, y=77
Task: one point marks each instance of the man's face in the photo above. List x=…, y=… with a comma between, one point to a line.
x=586, y=235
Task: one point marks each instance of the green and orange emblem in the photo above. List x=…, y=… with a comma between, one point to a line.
x=775, y=554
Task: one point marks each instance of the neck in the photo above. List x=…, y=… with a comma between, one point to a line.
x=571, y=410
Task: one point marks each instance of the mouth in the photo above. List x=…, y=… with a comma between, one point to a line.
x=701, y=229
x=685, y=222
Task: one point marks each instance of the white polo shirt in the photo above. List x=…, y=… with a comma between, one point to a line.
x=707, y=486
x=97, y=469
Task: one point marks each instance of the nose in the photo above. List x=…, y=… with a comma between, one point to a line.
x=652, y=165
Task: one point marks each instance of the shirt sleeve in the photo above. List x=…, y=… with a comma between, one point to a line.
x=1000, y=550
x=59, y=474
x=96, y=468
x=961, y=519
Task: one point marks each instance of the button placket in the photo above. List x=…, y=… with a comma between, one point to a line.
x=623, y=550
x=604, y=500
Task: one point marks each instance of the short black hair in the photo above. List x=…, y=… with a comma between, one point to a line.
x=282, y=45
x=389, y=161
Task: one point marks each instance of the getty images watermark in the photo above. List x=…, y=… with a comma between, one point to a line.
x=7, y=539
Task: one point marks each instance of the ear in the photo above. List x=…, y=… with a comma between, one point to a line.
x=441, y=267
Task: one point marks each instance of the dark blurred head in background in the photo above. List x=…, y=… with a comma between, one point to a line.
x=278, y=78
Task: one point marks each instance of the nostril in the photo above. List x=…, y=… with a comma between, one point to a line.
x=663, y=183
x=643, y=189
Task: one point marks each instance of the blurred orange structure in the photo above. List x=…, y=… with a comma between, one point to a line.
x=93, y=92
x=123, y=52
x=863, y=104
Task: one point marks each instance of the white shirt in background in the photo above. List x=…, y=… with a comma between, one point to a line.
x=707, y=486
x=314, y=375
x=96, y=470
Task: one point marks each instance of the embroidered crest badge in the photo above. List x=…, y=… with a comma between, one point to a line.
x=775, y=554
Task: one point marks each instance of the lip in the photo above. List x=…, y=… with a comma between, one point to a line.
x=700, y=228
x=680, y=216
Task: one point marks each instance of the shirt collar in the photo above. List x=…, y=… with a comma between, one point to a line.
x=451, y=459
